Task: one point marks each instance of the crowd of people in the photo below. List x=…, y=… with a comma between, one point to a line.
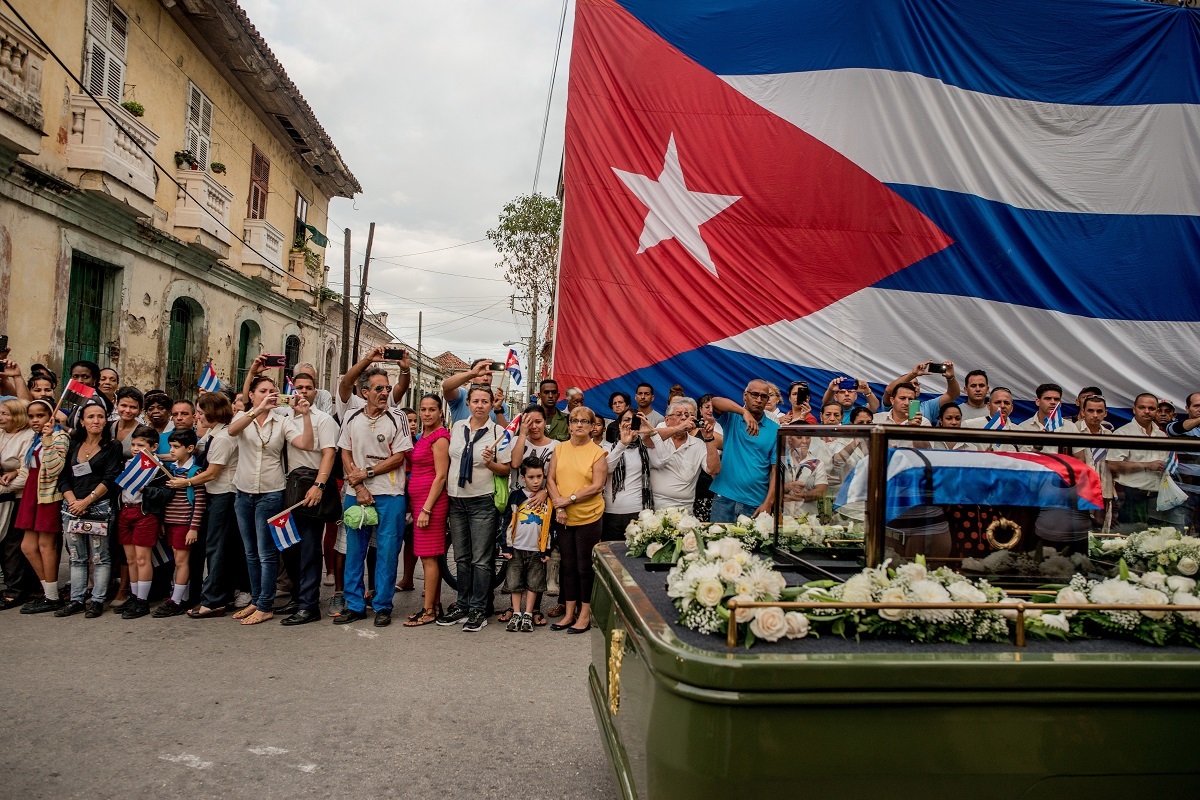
x=282, y=487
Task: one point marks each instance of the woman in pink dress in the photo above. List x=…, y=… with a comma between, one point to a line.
x=429, y=502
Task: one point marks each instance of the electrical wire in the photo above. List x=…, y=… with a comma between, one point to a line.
x=562, y=21
x=132, y=138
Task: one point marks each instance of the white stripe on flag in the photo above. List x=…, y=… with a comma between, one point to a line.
x=160, y=555
x=283, y=530
x=135, y=476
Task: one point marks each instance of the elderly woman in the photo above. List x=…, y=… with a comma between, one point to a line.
x=627, y=491
x=577, y=475
x=15, y=438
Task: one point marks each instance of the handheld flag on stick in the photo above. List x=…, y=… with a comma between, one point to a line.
x=510, y=433
x=1055, y=421
x=288, y=388
x=512, y=365
x=137, y=474
x=283, y=528
x=161, y=554
x=996, y=422
x=74, y=395
x=209, y=382
x=1172, y=465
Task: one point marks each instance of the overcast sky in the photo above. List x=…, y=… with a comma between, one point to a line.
x=436, y=107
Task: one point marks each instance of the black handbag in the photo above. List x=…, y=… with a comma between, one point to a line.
x=299, y=481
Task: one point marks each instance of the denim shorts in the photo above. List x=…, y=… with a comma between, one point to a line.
x=525, y=572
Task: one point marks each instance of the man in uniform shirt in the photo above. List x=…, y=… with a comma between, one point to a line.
x=556, y=421
x=1188, y=475
x=1093, y=415
x=1000, y=407
x=1138, y=472
x=375, y=443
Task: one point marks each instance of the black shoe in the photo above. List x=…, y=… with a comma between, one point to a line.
x=475, y=622
x=41, y=605
x=94, y=609
x=73, y=607
x=562, y=626
x=134, y=608
x=383, y=619
x=9, y=602
x=584, y=629
x=289, y=609
x=168, y=609
x=300, y=617
x=453, y=616
x=348, y=616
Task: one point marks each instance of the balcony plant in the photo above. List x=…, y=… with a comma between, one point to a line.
x=134, y=107
x=217, y=167
x=186, y=157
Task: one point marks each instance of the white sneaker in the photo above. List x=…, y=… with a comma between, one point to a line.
x=241, y=600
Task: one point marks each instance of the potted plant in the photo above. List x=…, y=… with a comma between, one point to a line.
x=134, y=107
x=186, y=157
x=217, y=167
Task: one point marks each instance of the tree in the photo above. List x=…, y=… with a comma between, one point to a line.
x=527, y=241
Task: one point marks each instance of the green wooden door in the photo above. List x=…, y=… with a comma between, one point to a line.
x=182, y=354
x=244, y=335
x=91, y=315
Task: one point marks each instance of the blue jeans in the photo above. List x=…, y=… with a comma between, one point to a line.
x=389, y=535
x=472, y=524
x=262, y=557
x=726, y=510
x=82, y=548
x=218, y=542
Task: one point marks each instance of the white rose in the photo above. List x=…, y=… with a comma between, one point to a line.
x=857, y=589
x=964, y=592
x=929, y=592
x=764, y=524
x=1114, y=591
x=1154, y=580
x=769, y=623
x=893, y=594
x=1190, y=600
x=1071, y=597
x=646, y=517
x=1112, y=544
x=744, y=522
x=1056, y=621
x=687, y=523
x=1178, y=583
x=1155, y=598
x=743, y=614
x=1169, y=531
x=653, y=548
x=709, y=592
x=797, y=625
x=1187, y=566
x=913, y=571
x=729, y=547
x=690, y=545
x=730, y=571
x=715, y=529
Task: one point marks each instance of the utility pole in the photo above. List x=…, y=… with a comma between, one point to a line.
x=415, y=398
x=532, y=380
x=362, y=290
x=346, y=308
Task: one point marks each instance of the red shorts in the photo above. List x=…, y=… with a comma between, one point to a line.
x=137, y=528
x=177, y=536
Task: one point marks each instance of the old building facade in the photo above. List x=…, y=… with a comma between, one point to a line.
x=176, y=213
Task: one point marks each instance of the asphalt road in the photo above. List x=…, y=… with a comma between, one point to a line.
x=209, y=708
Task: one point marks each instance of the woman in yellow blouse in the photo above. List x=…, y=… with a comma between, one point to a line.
x=576, y=482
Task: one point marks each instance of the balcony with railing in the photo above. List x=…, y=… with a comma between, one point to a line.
x=108, y=158
x=21, y=61
x=302, y=282
x=202, y=212
x=262, y=252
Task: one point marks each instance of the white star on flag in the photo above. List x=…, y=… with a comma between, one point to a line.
x=674, y=211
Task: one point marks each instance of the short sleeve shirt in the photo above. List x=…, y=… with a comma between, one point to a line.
x=373, y=440
x=222, y=450
x=325, y=434
x=459, y=410
x=481, y=482
x=746, y=460
x=1142, y=479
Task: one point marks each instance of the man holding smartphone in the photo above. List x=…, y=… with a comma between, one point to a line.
x=929, y=408
x=347, y=402
x=480, y=374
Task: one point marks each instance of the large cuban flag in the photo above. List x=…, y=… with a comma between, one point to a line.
x=800, y=189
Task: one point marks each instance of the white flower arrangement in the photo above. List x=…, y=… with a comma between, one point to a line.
x=1152, y=549
x=1051, y=565
x=677, y=533
x=703, y=582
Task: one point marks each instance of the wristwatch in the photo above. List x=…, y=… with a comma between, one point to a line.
x=319, y=484
x=370, y=472
x=574, y=498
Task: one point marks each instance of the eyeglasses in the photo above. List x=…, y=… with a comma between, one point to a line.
x=758, y=395
x=378, y=388
x=580, y=420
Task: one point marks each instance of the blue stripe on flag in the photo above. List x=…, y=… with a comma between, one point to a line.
x=209, y=382
x=283, y=531
x=1073, y=263
x=135, y=476
x=1108, y=52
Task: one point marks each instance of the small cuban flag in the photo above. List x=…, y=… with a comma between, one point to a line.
x=1054, y=422
x=283, y=529
x=137, y=473
x=511, y=364
x=1172, y=465
x=996, y=422
x=510, y=432
x=209, y=382
x=288, y=388
x=161, y=554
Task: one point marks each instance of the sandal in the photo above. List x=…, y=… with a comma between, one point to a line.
x=539, y=619
x=505, y=615
x=425, y=617
x=245, y=612
x=204, y=612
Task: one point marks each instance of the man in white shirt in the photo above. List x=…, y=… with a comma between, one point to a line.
x=677, y=457
x=375, y=444
x=322, y=398
x=347, y=402
x=1092, y=420
x=1000, y=407
x=1137, y=472
x=1188, y=475
x=308, y=425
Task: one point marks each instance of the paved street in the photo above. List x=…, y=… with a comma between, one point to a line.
x=207, y=708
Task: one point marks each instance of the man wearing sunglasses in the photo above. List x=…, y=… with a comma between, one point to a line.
x=746, y=482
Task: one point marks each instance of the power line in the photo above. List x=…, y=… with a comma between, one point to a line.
x=562, y=21
x=435, y=250
x=129, y=135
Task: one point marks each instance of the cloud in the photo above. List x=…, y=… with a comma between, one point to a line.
x=437, y=109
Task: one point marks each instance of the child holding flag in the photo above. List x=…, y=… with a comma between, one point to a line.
x=182, y=518
x=38, y=515
x=137, y=524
